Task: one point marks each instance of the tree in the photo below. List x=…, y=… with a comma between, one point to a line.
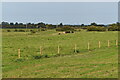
x=118, y=24
x=93, y=24
x=41, y=25
x=5, y=24
x=20, y=23
x=82, y=25
x=11, y=24
x=60, y=25
x=16, y=23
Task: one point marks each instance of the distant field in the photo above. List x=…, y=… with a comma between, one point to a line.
x=96, y=63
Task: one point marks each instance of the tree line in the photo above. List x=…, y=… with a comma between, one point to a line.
x=92, y=27
x=41, y=25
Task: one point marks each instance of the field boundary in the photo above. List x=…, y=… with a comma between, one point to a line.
x=75, y=50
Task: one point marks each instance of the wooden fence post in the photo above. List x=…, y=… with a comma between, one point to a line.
x=40, y=50
x=99, y=44
x=88, y=46
x=18, y=52
x=116, y=43
x=75, y=48
x=108, y=43
x=58, y=49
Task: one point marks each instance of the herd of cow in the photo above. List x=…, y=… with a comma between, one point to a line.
x=65, y=32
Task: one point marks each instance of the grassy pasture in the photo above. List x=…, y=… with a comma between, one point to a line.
x=98, y=63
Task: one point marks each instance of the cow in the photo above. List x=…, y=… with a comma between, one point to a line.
x=61, y=33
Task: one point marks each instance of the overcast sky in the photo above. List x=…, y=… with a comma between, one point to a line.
x=60, y=0
x=56, y=12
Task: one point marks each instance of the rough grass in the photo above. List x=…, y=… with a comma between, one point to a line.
x=97, y=63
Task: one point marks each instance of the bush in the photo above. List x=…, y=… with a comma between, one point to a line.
x=65, y=28
x=21, y=30
x=8, y=30
x=19, y=60
x=37, y=57
x=83, y=27
x=77, y=51
x=79, y=30
x=72, y=31
x=41, y=56
x=45, y=56
x=15, y=30
x=59, y=29
x=32, y=31
x=43, y=29
x=94, y=28
x=114, y=28
x=57, y=55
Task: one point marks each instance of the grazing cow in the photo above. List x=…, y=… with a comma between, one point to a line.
x=61, y=33
x=67, y=31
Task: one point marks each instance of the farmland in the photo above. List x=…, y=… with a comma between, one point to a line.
x=96, y=63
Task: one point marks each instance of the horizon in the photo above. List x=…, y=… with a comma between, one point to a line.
x=58, y=23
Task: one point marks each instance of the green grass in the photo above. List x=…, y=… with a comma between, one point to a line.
x=98, y=63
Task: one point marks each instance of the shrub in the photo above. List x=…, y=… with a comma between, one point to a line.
x=94, y=28
x=41, y=56
x=32, y=31
x=65, y=28
x=8, y=30
x=15, y=30
x=21, y=30
x=79, y=30
x=19, y=60
x=101, y=29
x=72, y=31
x=77, y=51
x=37, y=57
x=57, y=55
x=42, y=29
x=114, y=28
x=59, y=29
x=45, y=56
x=83, y=27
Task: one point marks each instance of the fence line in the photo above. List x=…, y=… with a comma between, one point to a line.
x=75, y=47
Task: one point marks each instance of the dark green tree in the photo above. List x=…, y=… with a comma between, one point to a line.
x=41, y=25
x=60, y=25
x=93, y=24
x=11, y=24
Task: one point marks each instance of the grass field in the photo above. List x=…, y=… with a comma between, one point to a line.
x=96, y=63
